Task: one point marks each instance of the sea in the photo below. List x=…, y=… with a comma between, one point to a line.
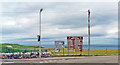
x=92, y=47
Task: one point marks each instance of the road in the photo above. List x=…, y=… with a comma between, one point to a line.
x=81, y=59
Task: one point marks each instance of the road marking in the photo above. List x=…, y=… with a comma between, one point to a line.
x=54, y=60
x=50, y=61
x=45, y=61
x=40, y=62
x=7, y=62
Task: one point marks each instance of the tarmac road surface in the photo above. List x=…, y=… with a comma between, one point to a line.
x=81, y=59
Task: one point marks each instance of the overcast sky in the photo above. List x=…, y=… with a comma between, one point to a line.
x=20, y=22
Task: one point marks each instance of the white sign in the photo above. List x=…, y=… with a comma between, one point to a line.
x=57, y=49
x=59, y=44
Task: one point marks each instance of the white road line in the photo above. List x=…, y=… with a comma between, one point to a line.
x=40, y=62
x=7, y=62
x=45, y=61
x=55, y=60
x=50, y=61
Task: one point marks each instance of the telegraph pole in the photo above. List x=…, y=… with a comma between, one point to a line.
x=40, y=34
x=89, y=31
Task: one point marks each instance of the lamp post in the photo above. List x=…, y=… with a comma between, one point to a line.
x=40, y=34
x=89, y=31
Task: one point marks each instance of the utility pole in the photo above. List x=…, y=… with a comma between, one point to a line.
x=89, y=31
x=40, y=34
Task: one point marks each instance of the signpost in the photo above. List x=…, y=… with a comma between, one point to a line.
x=75, y=42
x=57, y=50
x=89, y=31
x=58, y=45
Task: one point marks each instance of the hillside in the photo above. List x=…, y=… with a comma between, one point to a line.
x=11, y=48
x=18, y=48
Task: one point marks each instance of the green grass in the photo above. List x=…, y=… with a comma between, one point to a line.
x=21, y=48
x=85, y=52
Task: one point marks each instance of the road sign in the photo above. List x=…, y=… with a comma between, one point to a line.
x=70, y=43
x=75, y=42
x=57, y=49
x=59, y=44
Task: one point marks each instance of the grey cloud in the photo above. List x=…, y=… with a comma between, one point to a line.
x=67, y=16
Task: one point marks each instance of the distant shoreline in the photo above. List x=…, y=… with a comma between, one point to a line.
x=93, y=47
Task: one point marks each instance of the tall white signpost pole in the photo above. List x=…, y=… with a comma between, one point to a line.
x=40, y=35
x=89, y=31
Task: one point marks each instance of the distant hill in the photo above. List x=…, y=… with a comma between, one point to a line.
x=6, y=47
